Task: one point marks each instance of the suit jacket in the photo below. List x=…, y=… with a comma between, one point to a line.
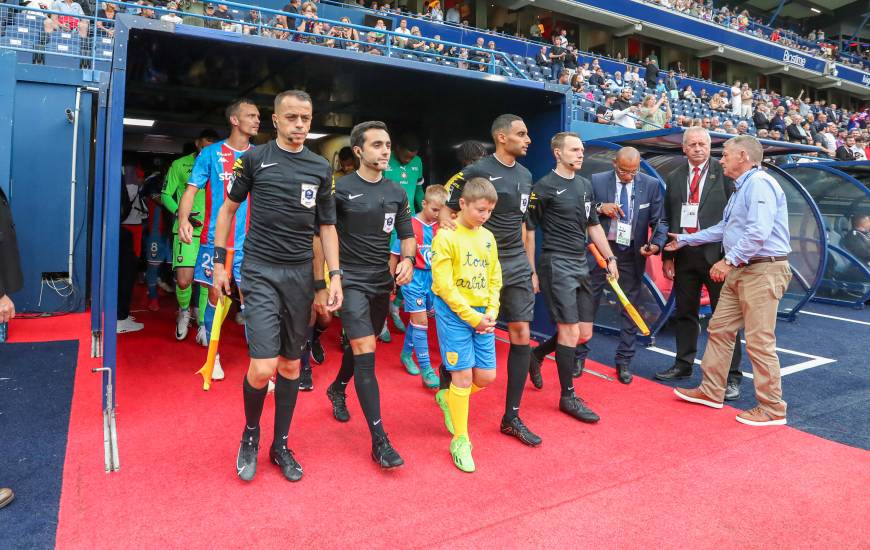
x=647, y=208
x=794, y=134
x=715, y=194
x=11, y=279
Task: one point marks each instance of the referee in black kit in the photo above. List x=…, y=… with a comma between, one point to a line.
x=369, y=207
x=291, y=193
x=513, y=183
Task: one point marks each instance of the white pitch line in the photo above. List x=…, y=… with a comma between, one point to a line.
x=846, y=319
x=814, y=360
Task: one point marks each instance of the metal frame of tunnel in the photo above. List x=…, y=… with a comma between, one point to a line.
x=856, y=264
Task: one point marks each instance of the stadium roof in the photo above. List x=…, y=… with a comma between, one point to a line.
x=803, y=9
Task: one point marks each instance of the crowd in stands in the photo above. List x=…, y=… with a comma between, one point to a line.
x=814, y=42
x=838, y=132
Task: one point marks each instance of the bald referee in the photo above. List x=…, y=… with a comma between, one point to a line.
x=291, y=193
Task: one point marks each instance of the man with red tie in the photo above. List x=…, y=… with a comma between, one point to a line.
x=695, y=199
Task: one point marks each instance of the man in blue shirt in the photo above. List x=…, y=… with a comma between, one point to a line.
x=754, y=232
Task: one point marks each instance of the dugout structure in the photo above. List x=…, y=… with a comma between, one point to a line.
x=840, y=191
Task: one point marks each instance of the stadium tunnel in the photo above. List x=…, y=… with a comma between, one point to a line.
x=661, y=152
x=183, y=77
x=840, y=191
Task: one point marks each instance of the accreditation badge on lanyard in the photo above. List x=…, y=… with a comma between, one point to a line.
x=689, y=210
x=623, y=233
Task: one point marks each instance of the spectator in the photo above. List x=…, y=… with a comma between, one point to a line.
x=105, y=28
x=253, y=23
x=309, y=25
x=380, y=37
x=759, y=118
x=652, y=73
x=293, y=7
x=453, y=14
x=715, y=125
x=829, y=139
x=172, y=15
x=616, y=83
x=857, y=241
x=775, y=134
x=542, y=58
x=858, y=149
x=689, y=93
x=651, y=114
x=672, y=87
x=536, y=31
x=736, y=98
x=437, y=47
x=211, y=22
x=660, y=87
x=557, y=57
x=728, y=127
x=703, y=96
x=571, y=59
x=70, y=21
x=624, y=113
x=402, y=29
x=478, y=58
x=778, y=121
x=564, y=78
x=742, y=128
x=604, y=112
x=373, y=44
x=844, y=151
x=416, y=41
x=745, y=101
x=563, y=38
x=762, y=134
x=794, y=131
x=435, y=13
x=597, y=79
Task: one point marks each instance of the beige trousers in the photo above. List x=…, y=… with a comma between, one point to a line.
x=749, y=300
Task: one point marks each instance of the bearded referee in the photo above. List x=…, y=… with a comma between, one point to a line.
x=291, y=193
x=513, y=183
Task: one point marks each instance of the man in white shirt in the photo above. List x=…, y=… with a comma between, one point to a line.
x=736, y=103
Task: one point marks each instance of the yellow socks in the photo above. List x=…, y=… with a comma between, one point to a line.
x=475, y=388
x=457, y=402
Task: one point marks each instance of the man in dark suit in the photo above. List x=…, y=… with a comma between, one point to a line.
x=629, y=205
x=10, y=281
x=652, y=73
x=702, y=183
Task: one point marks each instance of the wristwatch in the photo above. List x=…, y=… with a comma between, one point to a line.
x=412, y=258
x=334, y=272
x=611, y=259
x=598, y=208
x=319, y=284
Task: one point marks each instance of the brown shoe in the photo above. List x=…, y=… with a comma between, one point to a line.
x=6, y=496
x=695, y=395
x=760, y=417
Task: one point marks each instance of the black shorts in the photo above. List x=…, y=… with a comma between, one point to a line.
x=278, y=302
x=565, y=283
x=366, y=302
x=517, y=298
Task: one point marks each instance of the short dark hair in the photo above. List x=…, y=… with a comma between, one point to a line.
x=858, y=218
x=408, y=142
x=471, y=151
x=298, y=94
x=208, y=133
x=502, y=123
x=234, y=107
x=358, y=134
x=345, y=153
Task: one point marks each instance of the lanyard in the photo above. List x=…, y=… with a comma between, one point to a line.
x=730, y=206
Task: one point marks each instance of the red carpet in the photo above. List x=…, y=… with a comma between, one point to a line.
x=654, y=473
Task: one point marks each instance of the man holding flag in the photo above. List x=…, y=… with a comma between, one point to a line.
x=630, y=204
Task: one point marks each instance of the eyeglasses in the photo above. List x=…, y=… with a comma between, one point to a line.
x=627, y=172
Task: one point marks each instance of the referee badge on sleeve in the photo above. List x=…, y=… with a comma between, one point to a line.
x=588, y=206
x=309, y=192
x=389, y=222
x=524, y=202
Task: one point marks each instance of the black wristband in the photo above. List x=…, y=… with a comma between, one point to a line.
x=319, y=284
x=220, y=255
x=334, y=272
x=412, y=258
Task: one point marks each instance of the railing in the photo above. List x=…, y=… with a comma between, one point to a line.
x=90, y=38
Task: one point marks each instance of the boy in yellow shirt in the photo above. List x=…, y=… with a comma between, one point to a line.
x=466, y=281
